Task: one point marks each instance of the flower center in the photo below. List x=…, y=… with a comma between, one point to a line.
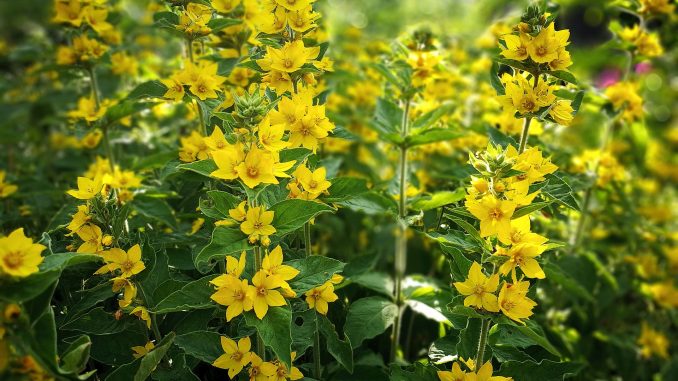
x=496, y=214
x=127, y=266
x=252, y=171
x=288, y=63
x=528, y=104
x=541, y=50
x=262, y=291
x=13, y=260
x=478, y=289
x=237, y=356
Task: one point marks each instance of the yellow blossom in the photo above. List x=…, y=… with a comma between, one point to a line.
x=479, y=289
x=19, y=256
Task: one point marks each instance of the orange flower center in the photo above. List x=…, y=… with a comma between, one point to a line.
x=13, y=259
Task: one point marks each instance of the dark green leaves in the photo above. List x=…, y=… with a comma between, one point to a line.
x=140, y=369
x=313, y=272
x=203, y=167
x=369, y=317
x=546, y=370
x=274, y=330
x=292, y=214
x=150, y=89
x=224, y=241
x=203, y=345
x=344, y=188
x=193, y=296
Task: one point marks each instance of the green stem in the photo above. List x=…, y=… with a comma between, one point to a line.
x=482, y=341
x=401, y=239
x=104, y=128
x=524, y=135
x=316, y=352
x=316, y=335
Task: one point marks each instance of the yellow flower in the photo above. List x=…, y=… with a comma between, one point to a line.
x=19, y=256
x=313, y=182
x=272, y=266
x=141, y=351
x=129, y=263
x=270, y=136
x=128, y=288
x=92, y=139
x=562, y=62
x=92, y=237
x=234, y=269
x=142, y=313
x=283, y=374
x=455, y=375
x=239, y=213
x=235, y=357
x=516, y=47
x=522, y=255
x=121, y=64
x=290, y=58
x=68, y=12
x=257, y=168
x=225, y=6
x=125, y=179
x=263, y=293
x=544, y=47
x=520, y=233
x=278, y=80
x=87, y=188
x=479, y=289
x=233, y=293
x=562, y=112
x=312, y=127
x=227, y=160
x=532, y=163
x=260, y=370
x=656, y=6
x=320, y=297
x=88, y=110
x=513, y=301
x=494, y=215
x=80, y=218
x=96, y=18
x=302, y=20
x=652, y=342
x=6, y=189
x=258, y=223
x=175, y=89
x=295, y=5
x=485, y=374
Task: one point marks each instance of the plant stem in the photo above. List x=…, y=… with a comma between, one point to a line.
x=316, y=351
x=526, y=127
x=307, y=239
x=401, y=239
x=316, y=335
x=524, y=135
x=104, y=128
x=482, y=341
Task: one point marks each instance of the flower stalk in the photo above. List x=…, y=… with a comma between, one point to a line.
x=317, y=369
x=401, y=239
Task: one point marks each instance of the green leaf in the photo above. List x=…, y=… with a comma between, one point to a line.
x=545, y=370
x=388, y=117
x=203, y=345
x=341, y=350
x=558, y=189
x=345, y=188
x=125, y=109
x=527, y=209
x=371, y=203
x=564, y=75
x=557, y=275
x=97, y=322
x=313, y=272
x=438, y=199
x=75, y=357
x=467, y=346
x=292, y=214
x=432, y=135
x=141, y=368
x=533, y=332
x=150, y=89
x=431, y=117
x=378, y=281
x=459, y=264
x=495, y=80
x=218, y=204
x=217, y=24
x=225, y=241
x=275, y=331
x=386, y=72
x=155, y=208
x=367, y=318
x=202, y=167
x=195, y=295
x=24, y=289
x=576, y=103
